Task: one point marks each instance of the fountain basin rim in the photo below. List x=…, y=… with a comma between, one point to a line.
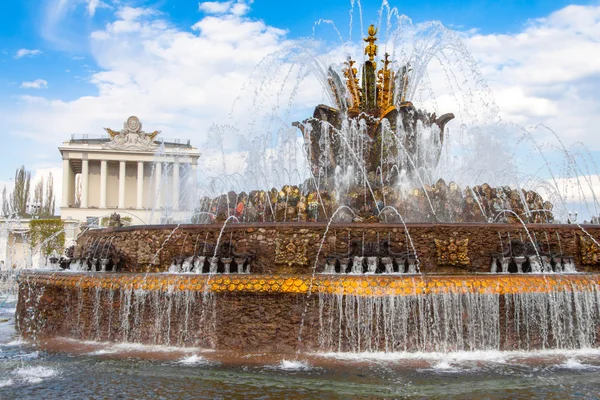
x=359, y=285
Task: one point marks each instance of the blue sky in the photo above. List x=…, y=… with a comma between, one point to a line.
x=24, y=25
x=75, y=66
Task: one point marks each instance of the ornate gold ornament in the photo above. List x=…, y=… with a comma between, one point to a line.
x=371, y=48
x=351, y=75
x=452, y=252
x=291, y=252
x=387, y=80
x=385, y=85
x=589, y=251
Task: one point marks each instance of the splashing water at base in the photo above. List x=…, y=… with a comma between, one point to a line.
x=193, y=360
x=6, y=382
x=293, y=365
x=35, y=374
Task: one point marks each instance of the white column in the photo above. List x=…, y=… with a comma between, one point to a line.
x=192, y=186
x=140, y=185
x=176, y=184
x=85, y=179
x=66, y=190
x=103, y=175
x=194, y=175
x=157, y=188
x=121, y=184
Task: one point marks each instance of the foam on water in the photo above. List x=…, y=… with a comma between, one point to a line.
x=194, y=359
x=108, y=347
x=103, y=351
x=153, y=348
x=444, y=366
x=293, y=365
x=35, y=374
x=6, y=382
x=572, y=363
x=29, y=356
x=495, y=356
x=16, y=342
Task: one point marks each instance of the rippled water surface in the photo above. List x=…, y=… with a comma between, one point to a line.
x=70, y=369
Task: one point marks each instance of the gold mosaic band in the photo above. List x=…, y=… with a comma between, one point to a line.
x=360, y=285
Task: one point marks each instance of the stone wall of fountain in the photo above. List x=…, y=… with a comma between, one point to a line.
x=292, y=248
x=324, y=313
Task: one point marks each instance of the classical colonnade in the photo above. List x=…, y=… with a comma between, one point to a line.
x=98, y=180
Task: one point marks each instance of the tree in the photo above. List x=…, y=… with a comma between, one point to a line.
x=5, y=204
x=49, y=202
x=38, y=193
x=20, y=194
x=42, y=196
x=49, y=234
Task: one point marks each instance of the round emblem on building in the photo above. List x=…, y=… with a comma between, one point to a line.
x=133, y=124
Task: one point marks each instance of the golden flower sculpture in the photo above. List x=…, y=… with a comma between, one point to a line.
x=291, y=252
x=452, y=252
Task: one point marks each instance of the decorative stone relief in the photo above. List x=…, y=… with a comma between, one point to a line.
x=589, y=251
x=131, y=136
x=452, y=252
x=291, y=251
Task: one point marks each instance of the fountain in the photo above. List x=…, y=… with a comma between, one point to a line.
x=344, y=261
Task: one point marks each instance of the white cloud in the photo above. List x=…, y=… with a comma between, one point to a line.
x=215, y=7
x=27, y=53
x=177, y=81
x=93, y=5
x=36, y=84
x=548, y=72
x=237, y=8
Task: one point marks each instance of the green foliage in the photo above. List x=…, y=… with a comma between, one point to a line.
x=107, y=222
x=45, y=232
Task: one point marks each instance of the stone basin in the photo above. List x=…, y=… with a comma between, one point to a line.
x=284, y=313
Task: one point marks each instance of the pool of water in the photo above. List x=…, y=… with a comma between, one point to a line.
x=69, y=369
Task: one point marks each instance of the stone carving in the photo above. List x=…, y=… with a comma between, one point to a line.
x=304, y=203
x=290, y=252
x=131, y=136
x=590, y=252
x=452, y=252
x=114, y=220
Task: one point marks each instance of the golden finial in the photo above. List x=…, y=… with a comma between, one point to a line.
x=385, y=85
x=350, y=72
x=371, y=48
x=372, y=30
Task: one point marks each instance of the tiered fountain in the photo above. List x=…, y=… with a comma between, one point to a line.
x=343, y=262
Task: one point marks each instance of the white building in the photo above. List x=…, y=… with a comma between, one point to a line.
x=129, y=172
x=15, y=249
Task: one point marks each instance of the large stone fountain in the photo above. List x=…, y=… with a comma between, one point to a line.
x=332, y=264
